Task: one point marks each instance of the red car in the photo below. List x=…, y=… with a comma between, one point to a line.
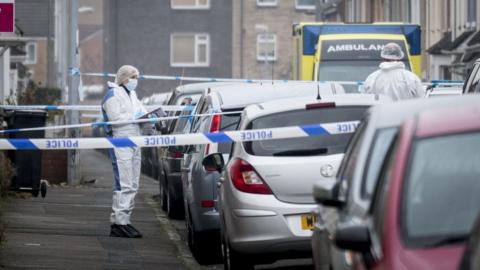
x=427, y=196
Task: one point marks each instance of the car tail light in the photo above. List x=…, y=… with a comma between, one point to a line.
x=207, y=204
x=246, y=179
x=214, y=127
x=320, y=105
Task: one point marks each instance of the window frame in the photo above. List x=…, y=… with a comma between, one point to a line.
x=197, y=5
x=352, y=153
x=260, y=56
x=367, y=166
x=304, y=7
x=380, y=196
x=35, y=54
x=272, y=3
x=471, y=18
x=196, y=44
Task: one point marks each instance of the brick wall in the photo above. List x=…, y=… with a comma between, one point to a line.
x=279, y=20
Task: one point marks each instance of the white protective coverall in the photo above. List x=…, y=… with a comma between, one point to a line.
x=119, y=105
x=394, y=80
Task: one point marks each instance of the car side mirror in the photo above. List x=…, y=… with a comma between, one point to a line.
x=326, y=192
x=213, y=162
x=355, y=237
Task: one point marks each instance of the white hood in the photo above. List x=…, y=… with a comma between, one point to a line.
x=385, y=66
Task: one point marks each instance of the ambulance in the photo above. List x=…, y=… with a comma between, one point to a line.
x=350, y=52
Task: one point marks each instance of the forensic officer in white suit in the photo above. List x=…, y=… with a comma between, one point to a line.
x=121, y=104
x=392, y=78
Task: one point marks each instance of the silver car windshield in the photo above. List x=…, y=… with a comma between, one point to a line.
x=307, y=146
x=381, y=143
x=441, y=194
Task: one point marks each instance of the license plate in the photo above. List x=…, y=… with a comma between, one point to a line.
x=308, y=221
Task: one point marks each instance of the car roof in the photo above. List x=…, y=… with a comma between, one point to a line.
x=197, y=88
x=448, y=120
x=389, y=115
x=439, y=91
x=242, y=95
x=289, y=104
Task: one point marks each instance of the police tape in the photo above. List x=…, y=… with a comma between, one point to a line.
x=213, y=79
x=181, y=139
x=81, y=107
x=116, y=123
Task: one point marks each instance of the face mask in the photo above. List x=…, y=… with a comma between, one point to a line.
x=131, y=84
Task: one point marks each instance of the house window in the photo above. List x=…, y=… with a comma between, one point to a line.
x=190, y=4
x=189, y=50
x=266, y=3
x=472, y=13
x=31, y=53
x=266, y=47
x=305, y=4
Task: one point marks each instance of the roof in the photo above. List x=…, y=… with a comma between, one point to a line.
x=241, y=95
x=460, y=39
x=289, y=104
x=445, y=43
x=393, y=114
x=475, y=39
x=470, y=55
x=450, y=120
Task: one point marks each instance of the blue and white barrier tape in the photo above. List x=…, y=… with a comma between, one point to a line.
x=212, y=79
x=81, y=107
x=113, y=123
x=91, y=115
x=182, y=139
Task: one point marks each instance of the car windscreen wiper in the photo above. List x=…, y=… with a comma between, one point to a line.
x=454, y=239
x=302, y=152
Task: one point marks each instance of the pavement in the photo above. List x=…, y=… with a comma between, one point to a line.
x=69, y=228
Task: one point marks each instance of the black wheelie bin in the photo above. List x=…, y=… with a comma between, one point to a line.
x=27, y=163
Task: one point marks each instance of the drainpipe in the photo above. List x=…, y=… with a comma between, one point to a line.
x=241, y=37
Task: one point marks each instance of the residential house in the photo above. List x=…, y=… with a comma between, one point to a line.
x=175, y=37
x=455, y=37
x=33, y=18
x=262, y=36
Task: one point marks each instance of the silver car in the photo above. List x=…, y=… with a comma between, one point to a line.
x=350, y=194
x=169, y=158
x=265, y=197
x=200, y=185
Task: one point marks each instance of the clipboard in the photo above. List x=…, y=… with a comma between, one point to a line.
x=147, y=115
